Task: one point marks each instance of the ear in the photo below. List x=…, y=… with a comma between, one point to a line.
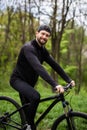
x=37, y=32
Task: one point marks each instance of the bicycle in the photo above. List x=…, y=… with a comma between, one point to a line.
x=13, y=118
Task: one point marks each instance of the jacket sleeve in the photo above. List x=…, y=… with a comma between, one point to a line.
x=49, y=59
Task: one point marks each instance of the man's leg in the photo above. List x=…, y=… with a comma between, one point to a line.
x=28, y=94
x=29, y=111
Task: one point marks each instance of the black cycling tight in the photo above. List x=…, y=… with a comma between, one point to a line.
x=27, y=95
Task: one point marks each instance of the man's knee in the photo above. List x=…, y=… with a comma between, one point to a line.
x=36, y=97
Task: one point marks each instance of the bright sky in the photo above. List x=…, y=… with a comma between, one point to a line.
x=46, y=7
x=5, y=3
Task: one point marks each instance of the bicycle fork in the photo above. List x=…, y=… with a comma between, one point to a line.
x=69, y=118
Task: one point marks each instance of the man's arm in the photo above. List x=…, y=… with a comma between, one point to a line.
x=57, y=68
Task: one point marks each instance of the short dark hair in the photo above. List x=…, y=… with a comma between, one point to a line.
x=44, y=27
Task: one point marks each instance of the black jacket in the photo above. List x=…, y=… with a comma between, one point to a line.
x=29, y=65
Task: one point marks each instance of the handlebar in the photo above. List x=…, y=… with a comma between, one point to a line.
x=67, y=87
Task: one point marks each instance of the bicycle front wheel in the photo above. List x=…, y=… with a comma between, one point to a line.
x=10, y=118
x=77, y=121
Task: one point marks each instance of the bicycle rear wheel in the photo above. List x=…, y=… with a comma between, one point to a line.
x=78, y=122
x=9, y=121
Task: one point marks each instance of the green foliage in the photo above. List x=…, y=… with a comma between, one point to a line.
x=71, y=70
x=9, y=48
x=4, y=78
x=85, y=75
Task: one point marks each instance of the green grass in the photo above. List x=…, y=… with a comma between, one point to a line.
x=78, y=103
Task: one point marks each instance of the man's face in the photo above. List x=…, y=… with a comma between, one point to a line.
x=42, y=37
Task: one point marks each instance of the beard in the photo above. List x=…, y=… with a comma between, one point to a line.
x=41, y=41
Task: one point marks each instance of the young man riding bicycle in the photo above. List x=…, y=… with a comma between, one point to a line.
x=29, y=67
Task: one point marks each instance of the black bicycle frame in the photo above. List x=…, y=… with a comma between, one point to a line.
x=57, y=98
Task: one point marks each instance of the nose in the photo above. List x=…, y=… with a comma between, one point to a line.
x=45, y=36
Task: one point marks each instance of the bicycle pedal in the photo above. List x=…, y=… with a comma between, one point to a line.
x=27, y=127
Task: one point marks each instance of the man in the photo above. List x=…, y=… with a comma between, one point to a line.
x=29, y=67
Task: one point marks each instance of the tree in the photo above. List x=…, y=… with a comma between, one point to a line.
x=18, y=26
x=58, y=27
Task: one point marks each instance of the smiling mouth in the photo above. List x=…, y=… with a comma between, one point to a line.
x=43, y=40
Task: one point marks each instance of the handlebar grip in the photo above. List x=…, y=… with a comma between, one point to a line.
x=65, y=87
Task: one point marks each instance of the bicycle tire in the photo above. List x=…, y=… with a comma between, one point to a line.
x=80, y=122
x=7, y=106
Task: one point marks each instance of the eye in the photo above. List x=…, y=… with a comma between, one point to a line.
x=47, y=35
x=44, y=33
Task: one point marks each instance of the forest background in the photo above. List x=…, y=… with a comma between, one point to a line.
x=68, y=42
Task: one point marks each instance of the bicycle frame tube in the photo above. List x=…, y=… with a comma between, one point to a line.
x=67, y=111
x=58, y=99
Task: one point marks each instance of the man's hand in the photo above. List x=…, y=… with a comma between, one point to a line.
x=72, y=83
x=59, y=89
